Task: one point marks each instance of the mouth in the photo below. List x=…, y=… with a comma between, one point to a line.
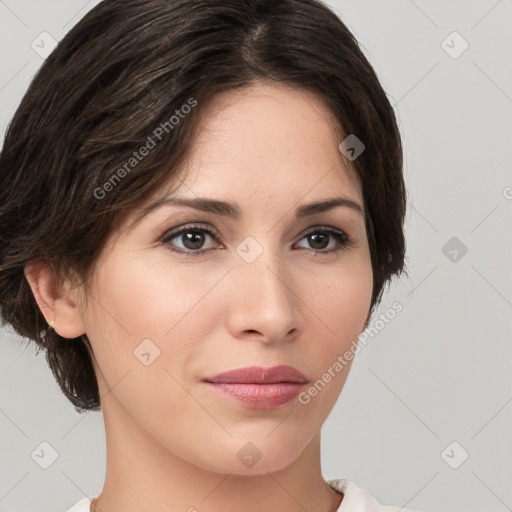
x=257, y=387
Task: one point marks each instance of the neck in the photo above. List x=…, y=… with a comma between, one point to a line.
x=142, y=475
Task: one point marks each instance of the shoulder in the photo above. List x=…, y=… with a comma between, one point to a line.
x=84, y=505
x=357, y=499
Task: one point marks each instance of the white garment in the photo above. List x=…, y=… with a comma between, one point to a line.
x=355, y=499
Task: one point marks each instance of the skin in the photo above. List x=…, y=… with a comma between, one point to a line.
x=172, y=443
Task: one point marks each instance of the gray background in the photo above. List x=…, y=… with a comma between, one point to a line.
x=439, y=372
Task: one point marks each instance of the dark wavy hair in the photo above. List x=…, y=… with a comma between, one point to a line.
x=123, y=72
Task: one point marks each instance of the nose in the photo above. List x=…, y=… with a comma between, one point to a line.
x=264, y=305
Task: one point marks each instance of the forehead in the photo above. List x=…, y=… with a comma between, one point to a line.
x=266, y=147
x=268, y=133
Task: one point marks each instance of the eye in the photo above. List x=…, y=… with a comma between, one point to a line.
x=193, y=237
x=320, y=237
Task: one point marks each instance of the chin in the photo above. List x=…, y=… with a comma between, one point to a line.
x=247, y=458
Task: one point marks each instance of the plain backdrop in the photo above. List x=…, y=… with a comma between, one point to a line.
x=425, y=418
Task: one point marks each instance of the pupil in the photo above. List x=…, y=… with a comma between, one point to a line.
x=194, y=239
x=314, y=238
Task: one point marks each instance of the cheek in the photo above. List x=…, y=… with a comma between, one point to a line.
x=147, y=293
x=339, y=307
x=144, y=327
x=340, y=296
x=143, y=295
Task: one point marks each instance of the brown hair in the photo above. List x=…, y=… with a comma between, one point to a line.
x=124, y=71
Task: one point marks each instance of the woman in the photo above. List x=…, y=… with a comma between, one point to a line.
x=202, y=202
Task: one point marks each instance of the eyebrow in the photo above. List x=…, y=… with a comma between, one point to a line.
x=226, y=209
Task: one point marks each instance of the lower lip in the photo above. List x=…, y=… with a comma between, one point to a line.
x=259, y=396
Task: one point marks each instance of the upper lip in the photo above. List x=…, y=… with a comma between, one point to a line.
x=259, y=375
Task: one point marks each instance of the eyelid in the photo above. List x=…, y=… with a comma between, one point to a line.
x=344, y=240
x=171, y=233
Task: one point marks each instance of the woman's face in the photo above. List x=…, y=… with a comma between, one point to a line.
x=267, y=287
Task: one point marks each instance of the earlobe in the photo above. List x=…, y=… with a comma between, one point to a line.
x=55, y=300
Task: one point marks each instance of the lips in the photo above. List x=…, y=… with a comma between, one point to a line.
x=257, y=387
x=259, y=375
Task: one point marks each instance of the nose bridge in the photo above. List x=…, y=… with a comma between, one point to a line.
x=265, y=301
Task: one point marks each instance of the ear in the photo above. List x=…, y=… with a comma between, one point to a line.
x=57, y=301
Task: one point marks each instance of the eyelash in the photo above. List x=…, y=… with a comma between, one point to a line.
x=344, y=241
